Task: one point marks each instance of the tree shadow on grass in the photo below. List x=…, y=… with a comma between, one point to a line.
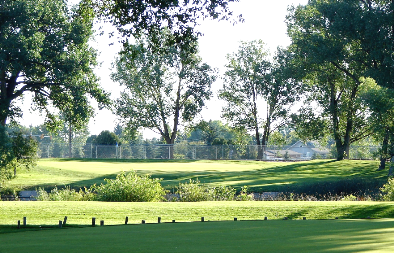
x=293, y=177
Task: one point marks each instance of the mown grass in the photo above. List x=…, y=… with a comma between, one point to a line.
x=259, y=176
x=81, y=213
x=240, y=236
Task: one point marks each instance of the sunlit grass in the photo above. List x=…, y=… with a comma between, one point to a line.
x=259, y=176
x=226, y=236
x=80, y=213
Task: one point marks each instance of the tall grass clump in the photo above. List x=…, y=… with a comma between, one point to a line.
x=65, y=194
x=130, y=187
x=194, y=191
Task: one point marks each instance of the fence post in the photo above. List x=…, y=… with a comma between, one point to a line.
x=24, y=221
x=216, y=152
x=93, y=222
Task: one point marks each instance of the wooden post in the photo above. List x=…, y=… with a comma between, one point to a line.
x=19, y=224
x=65, y=220
x=143, y=221
x=173, y=221
x=159, y=220
x=101, y=223
x=265, y=218
x=235, y=219
x=93, y=222
x=60, y=224
x=126, y=220
x=202, y=219
x=304, y=218
x=24, y=221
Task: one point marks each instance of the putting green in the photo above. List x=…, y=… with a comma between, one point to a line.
x=230, y=236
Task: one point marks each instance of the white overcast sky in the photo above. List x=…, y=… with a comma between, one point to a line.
x=264, y=19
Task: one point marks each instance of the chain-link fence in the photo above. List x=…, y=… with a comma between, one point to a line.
x=198, y=152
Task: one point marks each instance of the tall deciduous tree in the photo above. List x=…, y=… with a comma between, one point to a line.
x=380, y=101
x=250, y=80
x=45, y=52
x=165, y=84
x=333, y=62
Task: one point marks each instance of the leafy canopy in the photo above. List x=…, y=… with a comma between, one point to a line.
x=45, y=52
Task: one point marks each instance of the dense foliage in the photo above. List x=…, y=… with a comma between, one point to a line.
x=16, y=151
x=130, y=187
x=45, y=52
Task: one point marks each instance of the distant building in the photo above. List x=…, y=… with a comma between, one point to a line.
x=309, y=150
x=272, y=154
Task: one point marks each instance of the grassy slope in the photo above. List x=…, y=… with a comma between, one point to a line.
x=262, y=236
x=260, y=176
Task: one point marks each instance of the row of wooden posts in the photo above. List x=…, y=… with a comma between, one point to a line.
x=64, y=222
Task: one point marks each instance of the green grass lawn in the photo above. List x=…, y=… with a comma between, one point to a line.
x=259, y=176
x=240, y=236
x=81, y=213
x=321, y=232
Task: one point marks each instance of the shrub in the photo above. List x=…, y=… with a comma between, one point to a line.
x=65, y=194
x=388, y=190
x=130, y=188
x=243, y=196
x=16, y=151
x=350, y=197
x=222, y=193
x=194, y=191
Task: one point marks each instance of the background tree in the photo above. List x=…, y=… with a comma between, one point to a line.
x=214, y=132
x=107, y=144
x=166, y=84
x=107, y=137
x=242, y=87
x=252, y=80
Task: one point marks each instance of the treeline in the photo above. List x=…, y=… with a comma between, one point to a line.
x=338, y=69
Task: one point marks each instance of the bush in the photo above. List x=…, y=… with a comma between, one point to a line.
x=243, y=196
x=194, y=191
x=130, y=188
x=66, y=194
x=222, y=193
x=16, y=151
x=388, y=190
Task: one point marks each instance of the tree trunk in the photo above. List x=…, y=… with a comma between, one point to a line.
x=383, y=154
x=70, y=147
x=391, y=170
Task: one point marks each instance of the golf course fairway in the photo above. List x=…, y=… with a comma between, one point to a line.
x=228, y=236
